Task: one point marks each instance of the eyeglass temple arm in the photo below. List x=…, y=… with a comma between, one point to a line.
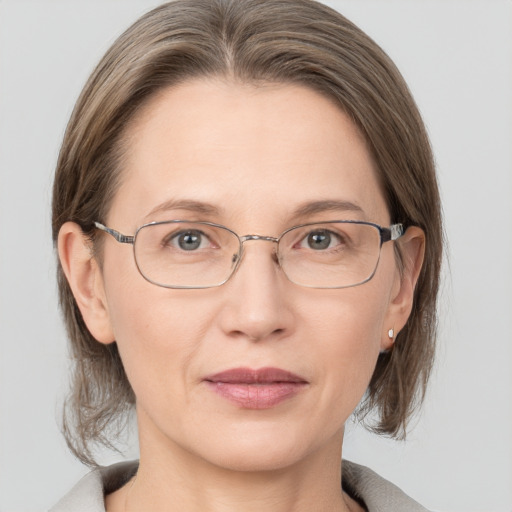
x=394, y=232
x=124, y=239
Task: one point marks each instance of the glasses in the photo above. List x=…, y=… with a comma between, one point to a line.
x=331, y=254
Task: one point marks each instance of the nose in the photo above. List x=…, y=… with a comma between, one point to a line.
x=257, y=301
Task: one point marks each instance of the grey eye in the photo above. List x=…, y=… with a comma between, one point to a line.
x=319, y=240
x=189, y=240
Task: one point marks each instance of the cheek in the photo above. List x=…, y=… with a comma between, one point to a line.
x=347, y=321
x=346, y=335
x=159, y=341
x=157, y=330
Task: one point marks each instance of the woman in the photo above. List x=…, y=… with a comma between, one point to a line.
x=266, y=165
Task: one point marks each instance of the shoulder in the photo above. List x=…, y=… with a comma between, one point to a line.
x=378, y=494
x=88, y=495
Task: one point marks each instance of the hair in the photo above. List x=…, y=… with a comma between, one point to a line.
x=249, y=41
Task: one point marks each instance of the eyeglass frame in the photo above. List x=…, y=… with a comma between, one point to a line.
x=394, y=232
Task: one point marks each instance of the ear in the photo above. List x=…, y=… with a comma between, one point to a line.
x=85, y=280
x=412, y=248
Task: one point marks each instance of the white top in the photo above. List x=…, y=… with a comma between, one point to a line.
x=376, y=493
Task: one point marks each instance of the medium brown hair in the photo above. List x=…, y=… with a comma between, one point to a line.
x=290, y=41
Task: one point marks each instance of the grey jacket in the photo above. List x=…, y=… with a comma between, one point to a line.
x=375, y=492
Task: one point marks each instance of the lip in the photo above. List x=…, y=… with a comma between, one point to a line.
x=262, y=388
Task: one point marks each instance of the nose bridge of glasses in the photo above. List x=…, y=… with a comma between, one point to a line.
x=247, y=238
x=253, y=238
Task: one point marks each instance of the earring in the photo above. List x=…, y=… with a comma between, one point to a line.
x=391, y=336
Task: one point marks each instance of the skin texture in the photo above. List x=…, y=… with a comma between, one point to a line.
x=256, y=154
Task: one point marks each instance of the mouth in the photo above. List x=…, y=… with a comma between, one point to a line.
x=256, y=389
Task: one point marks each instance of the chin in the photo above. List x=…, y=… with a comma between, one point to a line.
x=250, y=451
x=259, y=460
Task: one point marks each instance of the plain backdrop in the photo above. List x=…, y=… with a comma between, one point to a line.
x=457, y=57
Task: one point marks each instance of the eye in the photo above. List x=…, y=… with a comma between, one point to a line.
x=320, y=239
x=189, y=240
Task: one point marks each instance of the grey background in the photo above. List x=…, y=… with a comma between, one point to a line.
x=457, y=58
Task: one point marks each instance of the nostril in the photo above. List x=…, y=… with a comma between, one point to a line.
x=257, y=336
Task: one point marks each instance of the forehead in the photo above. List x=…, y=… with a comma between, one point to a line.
x=249, y=151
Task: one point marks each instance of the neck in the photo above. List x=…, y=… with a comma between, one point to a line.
x=176, y=480
x=215, y=490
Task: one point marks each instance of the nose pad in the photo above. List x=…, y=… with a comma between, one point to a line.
x=277, y=257
x=237, y=258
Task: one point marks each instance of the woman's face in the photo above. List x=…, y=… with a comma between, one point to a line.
x=253, y=159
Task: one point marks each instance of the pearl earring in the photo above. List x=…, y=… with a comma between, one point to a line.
x=391, y=334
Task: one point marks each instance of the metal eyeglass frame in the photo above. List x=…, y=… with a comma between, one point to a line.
x=394, y=232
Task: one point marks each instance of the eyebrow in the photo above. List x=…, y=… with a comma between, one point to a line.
x=185, y=204
x=303, y=210
x=314, y=207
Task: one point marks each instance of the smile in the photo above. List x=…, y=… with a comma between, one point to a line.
x=256, y=389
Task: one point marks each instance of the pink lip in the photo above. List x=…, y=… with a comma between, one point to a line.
x=256, y=389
